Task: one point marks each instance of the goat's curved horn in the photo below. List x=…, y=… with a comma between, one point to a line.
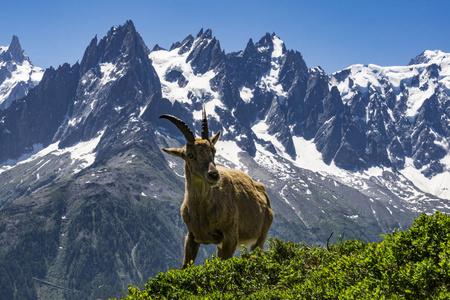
x=205, y=131
x=187, y=132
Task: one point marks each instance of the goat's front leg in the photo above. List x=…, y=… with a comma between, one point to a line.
x=190, y=249
x=228, y=248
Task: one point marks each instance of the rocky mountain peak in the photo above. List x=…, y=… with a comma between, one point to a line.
x=116, y=76
x=250, y=45
x=265, y=44
x=120, y=43
x=17, y=74
x=207, y=34
x=206, y=53
x=200, y=33
x=14, y=52
x=184, y=46
x=157, y=47
x=204, y=35
x=429, y=56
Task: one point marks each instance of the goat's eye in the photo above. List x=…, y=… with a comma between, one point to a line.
x=190, y=155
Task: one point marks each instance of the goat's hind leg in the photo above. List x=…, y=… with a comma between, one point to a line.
x=265, y=230
x=190, y=249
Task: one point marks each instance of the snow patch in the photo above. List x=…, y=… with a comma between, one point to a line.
x=81, y=153
x=210, y=108
x=246, y=94
x=260, y=129
x=229, y=150
x=270, y=162
x=110, y=72
x=439, y=185
x=3, y=49
x=309, y=158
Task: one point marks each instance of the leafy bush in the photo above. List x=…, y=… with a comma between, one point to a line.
x=412, y=264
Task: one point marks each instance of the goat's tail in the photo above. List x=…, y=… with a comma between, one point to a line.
x=262, y=190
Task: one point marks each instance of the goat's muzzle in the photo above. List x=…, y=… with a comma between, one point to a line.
x=213, y=174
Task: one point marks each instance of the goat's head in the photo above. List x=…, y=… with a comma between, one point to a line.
x=198, y=153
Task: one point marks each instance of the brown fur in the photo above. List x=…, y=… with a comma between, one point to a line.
x=221, y=206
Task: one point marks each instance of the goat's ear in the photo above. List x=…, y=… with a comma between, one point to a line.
x=215, y=138
x=174, y=152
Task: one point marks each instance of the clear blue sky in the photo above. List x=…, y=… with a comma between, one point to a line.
x=333, y=34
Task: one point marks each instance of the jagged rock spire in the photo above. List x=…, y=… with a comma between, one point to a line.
x=117, y=43
x=14, y=52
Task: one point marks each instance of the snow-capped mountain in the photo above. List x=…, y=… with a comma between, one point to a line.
x=17, y=74
x=405, y=113
x=359, y=119
x=82, y=177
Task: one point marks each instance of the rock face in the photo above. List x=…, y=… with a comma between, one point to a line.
x=84, y=184
x=17, y=74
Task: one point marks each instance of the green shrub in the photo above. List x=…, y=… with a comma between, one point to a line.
x=412, y=264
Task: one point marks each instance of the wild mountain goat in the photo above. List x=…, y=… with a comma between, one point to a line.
x=221, y=206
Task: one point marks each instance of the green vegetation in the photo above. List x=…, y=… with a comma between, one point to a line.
x=412, y=264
